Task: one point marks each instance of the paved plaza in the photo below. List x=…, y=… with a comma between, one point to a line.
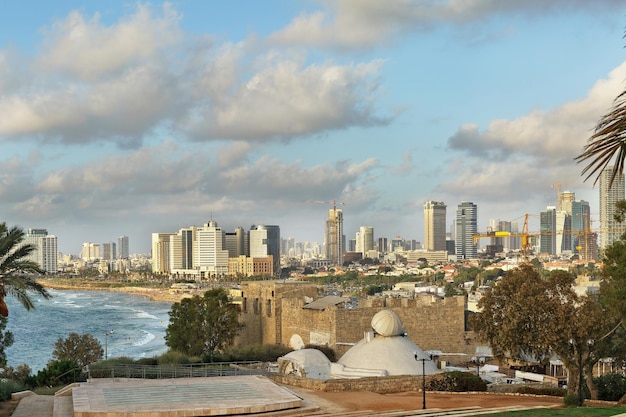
x=180, y=397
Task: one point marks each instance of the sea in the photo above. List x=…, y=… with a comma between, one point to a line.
x=126, y=325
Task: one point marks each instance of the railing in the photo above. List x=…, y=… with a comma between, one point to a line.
x=176, y=371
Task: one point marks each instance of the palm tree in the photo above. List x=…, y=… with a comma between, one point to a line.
x=17, y=272
x=607, y=142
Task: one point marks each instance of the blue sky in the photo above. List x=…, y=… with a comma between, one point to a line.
x=120, y=118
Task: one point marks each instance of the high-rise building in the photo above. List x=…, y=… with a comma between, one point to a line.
x=109, y=251
x=547, y=228
x=160, y=252
x=90, y=252
x=565, y=201
x=435, y=226
x=45, y=253
x=563, y=230
x=383, y=245
x=365, y=240
x=584, y=241
x=466, y=226
x=236, y=243
x=334, y=239
x=610, y=230
x=123, y=247
x=181, y=250
x=265, y=241
x=210, y=253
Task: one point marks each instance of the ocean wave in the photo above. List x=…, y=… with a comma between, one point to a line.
x=140, y=314
x=147, y=338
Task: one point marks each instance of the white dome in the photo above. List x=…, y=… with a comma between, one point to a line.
x=387, y=323
x=396, y=355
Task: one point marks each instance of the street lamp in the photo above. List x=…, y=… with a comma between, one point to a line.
x=478, y=360
x=106, y=342
x=423, y=360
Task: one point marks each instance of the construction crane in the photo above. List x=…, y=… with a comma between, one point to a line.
x=524, y=234
x=338, y=235
x=527, y=236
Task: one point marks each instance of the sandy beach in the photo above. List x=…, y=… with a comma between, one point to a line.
x=154, y=294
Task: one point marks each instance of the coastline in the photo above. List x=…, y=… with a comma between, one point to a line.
x=154, y=294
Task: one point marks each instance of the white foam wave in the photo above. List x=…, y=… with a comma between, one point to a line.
x=140, y=314
x=147, y=338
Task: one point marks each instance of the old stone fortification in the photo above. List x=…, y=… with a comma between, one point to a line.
x=273, y=314
x=380, y=385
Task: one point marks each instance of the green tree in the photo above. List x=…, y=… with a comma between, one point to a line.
x=82, y=349
x=6, y=340
x=17, y=272
x=528, y=317
x=203, y=325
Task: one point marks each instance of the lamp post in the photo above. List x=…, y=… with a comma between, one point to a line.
x=106, y=342
x=423, y=360
x=478, y=360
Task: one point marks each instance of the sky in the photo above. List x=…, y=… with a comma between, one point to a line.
x=123, y=118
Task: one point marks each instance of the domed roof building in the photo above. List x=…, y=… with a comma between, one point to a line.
x=385, y=350
x=388, y=348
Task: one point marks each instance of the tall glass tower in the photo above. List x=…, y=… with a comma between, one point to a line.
x=466, y=226
x=610, y=230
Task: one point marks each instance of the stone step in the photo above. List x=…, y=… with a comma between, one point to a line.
x=63, y=406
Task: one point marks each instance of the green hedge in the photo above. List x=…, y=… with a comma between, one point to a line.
x=456, y=381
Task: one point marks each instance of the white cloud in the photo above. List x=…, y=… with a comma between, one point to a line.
x=553, y=136
x=361, y=24
x=90, y=50
x=125, y=81
x=286, y=100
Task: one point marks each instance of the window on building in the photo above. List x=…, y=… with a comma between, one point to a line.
x=269, y=307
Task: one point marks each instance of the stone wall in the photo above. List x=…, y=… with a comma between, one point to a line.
x=381, y=385
x=430, y=322
x=261, y=310
x=273, y=313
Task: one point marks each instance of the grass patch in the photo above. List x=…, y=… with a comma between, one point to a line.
x=570, y=412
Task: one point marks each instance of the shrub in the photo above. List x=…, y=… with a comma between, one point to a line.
x=173, y=357
x=58, y=373
x=570, y=400
x=9, y=387
x=263, y=353
x=611, y=387
x=456, y=381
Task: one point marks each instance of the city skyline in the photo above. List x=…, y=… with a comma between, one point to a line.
x=123, y=119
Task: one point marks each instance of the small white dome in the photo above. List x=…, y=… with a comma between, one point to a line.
x=387, y=323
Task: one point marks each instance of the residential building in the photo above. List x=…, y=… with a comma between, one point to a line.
x=365, y=240
x=160, y=252
x=46, y=252
x=90, y=252
x=610, y=230
x=435, y=226
x=248, y=266
x=466, y=226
